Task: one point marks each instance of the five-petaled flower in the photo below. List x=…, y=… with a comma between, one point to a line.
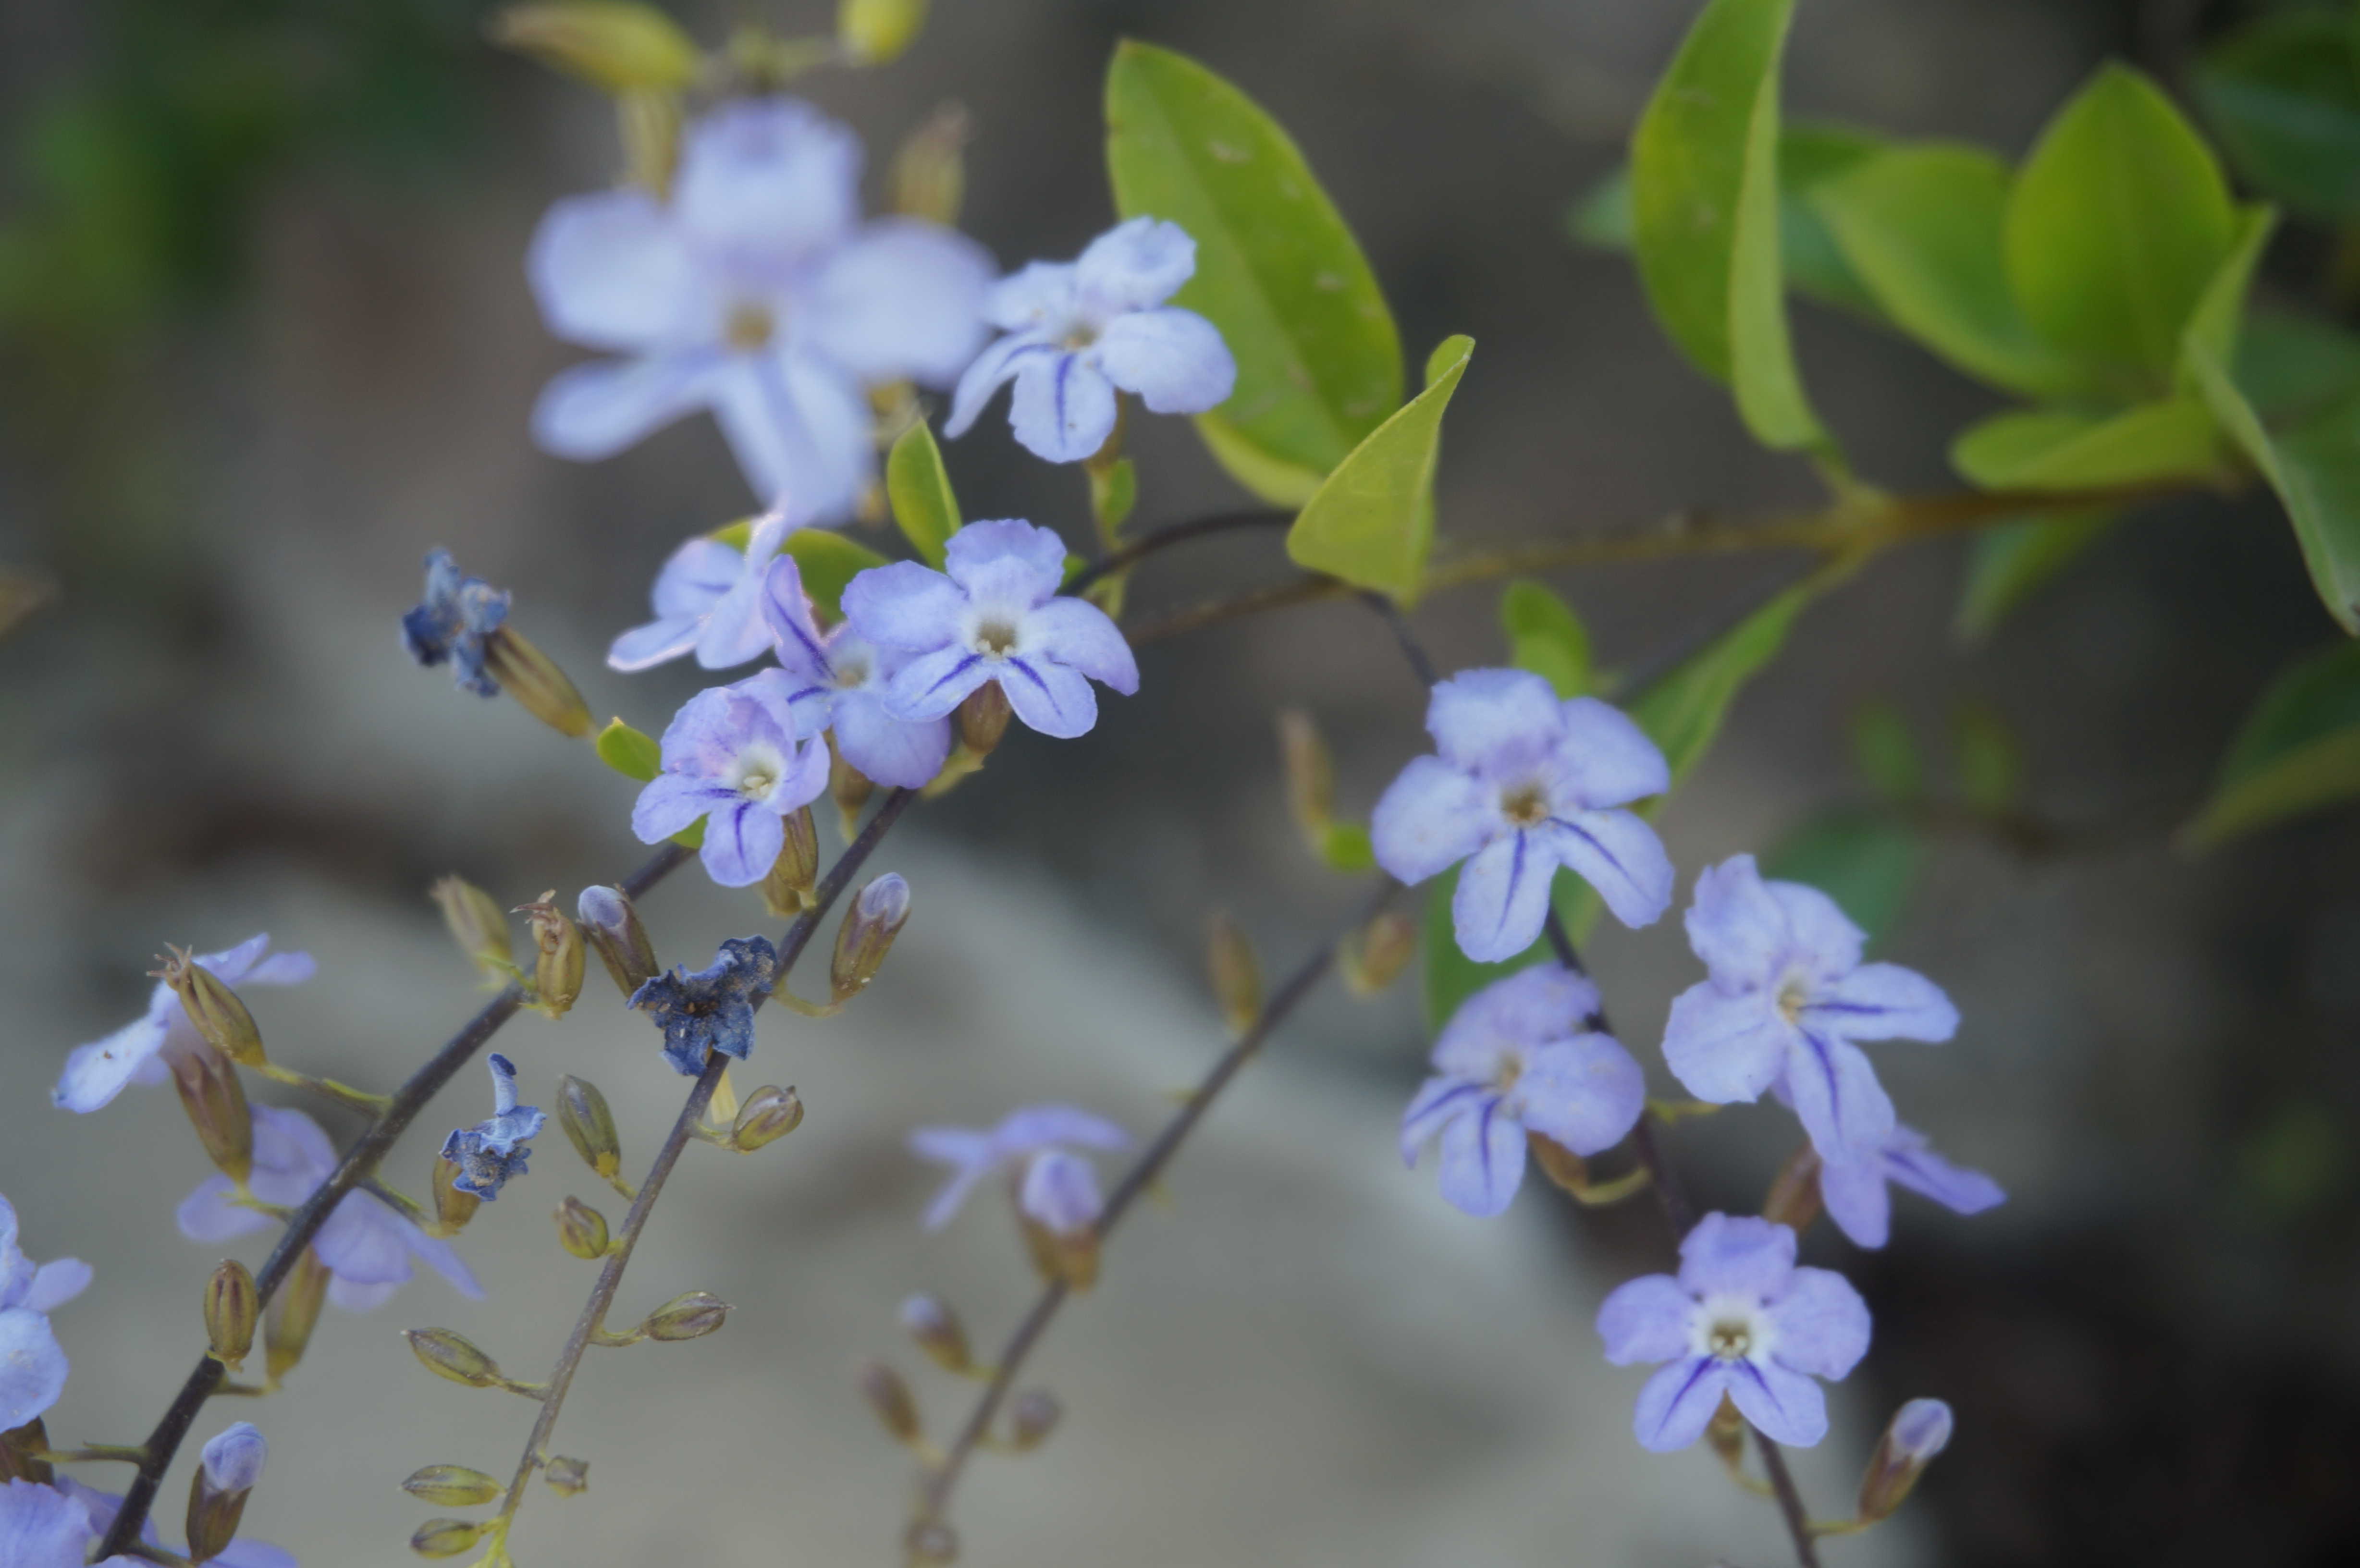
x=712, y=1010
x=1741, y=1321
x=757, y=291
x=491, y=1151
x=1787, y=998
x=452, y=623
x=1520, y=1056
x=32, y=1367
x=996, y=616
x=366, y=1245
x=1524, y=784
x=141, y=1050
x=1055, y=1186
x=708, y=601
x=1079, y=331
x=1855, y=1195
x=840, y=681
x=55, y=1526
x=733, y=756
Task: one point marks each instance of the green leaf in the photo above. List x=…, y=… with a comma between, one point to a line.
x=828, y=560
x=2315, y=469
x=1704, y=186
x=2053, y=448
x=1921, y=227
x=2011, y=562
x=919, y=487
x=1371, y=522
x=2213, y=325
x=2117, y=221
x=1545, y=637
x=1112, y=495
x=1450, y=976
x=1682, y=711
x=1346, y=847
x=1865, y=861
x=2292, y=366
x=1990, y=760
x=630, y=752
x=1319, y=363
x=2297, y=752
x=2283, y=94
x=1886, y=755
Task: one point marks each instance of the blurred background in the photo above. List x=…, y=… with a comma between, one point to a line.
x=264, y=338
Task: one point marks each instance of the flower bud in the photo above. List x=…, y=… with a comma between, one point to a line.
x=770, y=1114
x=982, y=717
x=787, y=888
x=691, y=1316
x=446, y=1538
x=287, y=1322
x=874, y=31
x=878, y=912
x=19, y=1447
x=213, y=1008
x=928, y=179
x=612, y=926
x=1794, y=1197
x=1236, y=974
x=589, y=1125
x=1057, y=1209
x=452, y=1487
x=1378, y=953
x=1032, y=1418
x=539, y=686
x=567, y=1478
x=478, y=926
x=889, y=1397
x=232, y=1311
x=938, y=1332
x=1726, y=1432
x=582, y=1230
x=453, y=1355
x=453, y=1207
x=1558, y=1163
x=227, y=1469
x=847, y=787
x=1310, y=776
x=1919, y=1431
x=558, y=955
x=610, y=43
x=215, y=1101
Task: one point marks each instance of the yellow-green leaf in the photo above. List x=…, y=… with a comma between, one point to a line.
x=630, y=752
x=828, y=560
x=2315, y=469
x=2054, y=449
x=2213, y=325
x=1372, y=523
x=1545, y=637
x=919, y=487
x=2300, y=751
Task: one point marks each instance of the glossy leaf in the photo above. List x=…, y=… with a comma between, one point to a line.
x=1866, y=861
x=828, y=560
x=2283, y=95
x=919, y=487
x=2213, y=326
x=1319, y=362
x=2315, y=469
x=630, y=752
x=1371, y=522
x=2055, y=449
x=2298, y=752
x=2009, y=564
x=2293, y=367
x=1545, y=637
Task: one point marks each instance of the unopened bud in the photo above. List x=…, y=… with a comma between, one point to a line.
x=874, y=31
x=847, y=787
x=589, y=1125
x=232, y=1312
x=558, y=955
x=567, y=1478
x=787, y=889
x=1726, y=1432
x=213, y=1008
x=478, y=926
x=452, y=1487
x=928, y=179
x=1919, y=1431
x=612, y=926
x=938, y=1332
x=1558, y=1163
x=453, y=1355
x=1794, y=1197
x=878, y=914
x=1236, y=974
x=453, y=1207
x=581, y=1229
x=982, y=718
x=20, y=1451
x=1057, y=1208
x=768, y=1115
x=215, y=1101
x=446, y=1538
x=1032, y=1418
x=889, y=1398
x=287, y=1322
x=1378, y=953
x=227, y=1469
x=539, y=686
x=609, y=43
x=1310, y=775
x=691, y=1316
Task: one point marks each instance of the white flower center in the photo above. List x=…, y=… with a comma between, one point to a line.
x=758, y=769
x=1526, y=804
x=1731, y=1327
x=994, y=639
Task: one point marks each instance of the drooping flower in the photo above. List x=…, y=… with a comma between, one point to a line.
x=997, y=616
x=1855, y=1195
x=712, y=1010
x=1787, y=999
x=840, y=681
x=451, y=623
x=368, y=1246
x=1523, y=784
x=708, y=601
x=96, y=1510
x=491, y=1151
x=140, y=1051
x=1520, y=1057
x=733, y=756
x=1063, y=1197
x=757, y=291
x=1740, y=1320
x=33, y=1368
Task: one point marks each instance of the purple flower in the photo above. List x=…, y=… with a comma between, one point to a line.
x=1063, y=1197
x=756, y=291
x=233, y=1457
x=1740, y=1320
x=732, y=755
x=840, y=680
x=1519, y=1057
x=997, y=616
x=84, y=1519
x=32, y=1367
x=368, y=1248
x=1077, y=331
x=712, y=1010
x=708, y=600
x=491, y=1151
x=1854, y=1191
x=1525, y=784
x=1787, y=998
x=452, y=622
x=140, y=1052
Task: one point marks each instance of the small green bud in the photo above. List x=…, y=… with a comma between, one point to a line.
x=18, y=1446
x=691, y=1316
x=1919, y=1430
x=889, y=1399
x=228, y=1469
x=1310, y=776
x=768, y=1115
x=539, y=686
x=1033, y=1417
x=581, y=1229
x=288, y=1322
x=215, y=1101
x=567, y=1478
x=453, y=1355
x=983, y=717
x=453, y=1207
x=874, y=31
x=232, y=1312
x=446, y=1536
x=1235, y=974
x=450, y=1487
x=929, y=174
x=558, y=955
x=478, y=926
x=611, y=924
x=1377, y=954
x=589, y=1125
x=788, y=886
x=878, y=912
x=609, y=43
x=929, y=1320
x=213, y=1008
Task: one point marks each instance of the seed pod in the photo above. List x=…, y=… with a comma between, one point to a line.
x=770, y=1114
x=581, y=1229
x=213, y=1008
x=1033, y=1417
x=479, y=928
x=567, y=1478
x=453, y=1356
x=17, y=1447
x=889, y=1398
x=1235, y=974
x=928, y=179
x=287, y=1322
x=453, y=1207
x=1919, y=1430
x=1794, y=1197
x=215, y=1101
x=1379, y=953
x=611, y=924
x=589, y=1125
x=450, y=1487
x=1310, y=776
x=982, y=717
x=938, y=1332
x=557, y=955
x=878, y=914
x=232, y=1311
x=228, y=1469
x=539, y=686
x=787, y=887
x=446, y=1536
x=691, y=1316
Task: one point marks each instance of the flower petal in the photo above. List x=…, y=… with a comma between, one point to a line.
x=1619, y=854
x=903, y=754
x=1837, y=1096
x=1724, y=1048
x=1503, y=897
x=1605, y=758
x=1678, y=1403
x=1854, y=1195
x=444, y=1259
x=362, y=1242
x=1586, y=1093
x=1910, y=1161
x=1134, y=265
x=932, y=684
x=358, y=1296
x=695, y=577
x=735, y=633
x=55, y=1283
x=1064, y=408
x=657, y=642
x=903, y=299
x=1528, y=1011
x=597, y=409
x=96, y=1073
x=41, y=1526
x=1645, y=1320
x=1883, y=1001
x=1006, y=558
x=904, y=605
x=1734, y=924
x=1050, y=697
x=1489, y=722
x=32, y=1367
x=991, y=370
x=208, y=1214
x=1822, y=1324
x=741, y=843
x=610, y=271
x=1431, y=817
x=765, y=181
x=1040, y=1126
x=703, y=738
x=1060, y=1191
x=1079, y=635
x=1821, y=932
x=795, y=636
x=669, y=801
x=801, y=431
x=1736, y=1255
x=1785, y=1407
x=1035, y=295
x=1482, y=1162
x=1174, y=359
x=1437, y=1102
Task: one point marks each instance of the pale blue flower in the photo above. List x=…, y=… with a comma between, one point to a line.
x=491, y=1151
x=754, y=290
x=41, y=1526
x=1523, y=784
x=1855, y=1189
x=734, y=756
x=1787, y=998
x=33, y=1368
x=708, y=601
x=97, y=1510
x=1739, y=1320
x=712, y=1010
x=451, y=623
x=997, y=616
x=840, y=683
x=1079, y=331
x=233, y=1457
x=141, y=1052
x=1063, y=1198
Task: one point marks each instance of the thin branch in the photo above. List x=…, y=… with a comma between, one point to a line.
x=1790, y=1500
x=1162, y=538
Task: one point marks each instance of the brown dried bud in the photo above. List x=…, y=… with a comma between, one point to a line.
x=567, y=1478
x=478, y=926
x=213, y=1008
x=453, y=1356
x=452, y=1487
x=589, y=1125
x=1310, y=776
x=1032, y=1418
x=18, y=1446
x=878, y=912
x=232, y=1312
x=446, y=1538
x=787, y=888
x=691, y=1316
x=1379, y=953
x=1794, y=1197
x=288, y=1321
x=982, y=717
x=928, y=179
x=1236, y=974
x=611, y=924
x=890, y=1397
x=1919, y=1430
x=558, y=955
x=581, y=1229
x=938, y=1332
x=539, y=686
x=453, y=1207
x=768, y=1115
x=215, y=1101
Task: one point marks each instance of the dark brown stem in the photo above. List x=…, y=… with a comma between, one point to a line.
x=1790, y=1500
x=1162, y=538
